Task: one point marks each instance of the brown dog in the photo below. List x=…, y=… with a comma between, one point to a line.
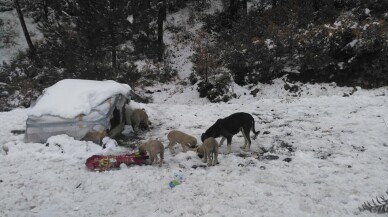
x=139, y=118
x=186, y=141
x=153, y=148
x=209, y=151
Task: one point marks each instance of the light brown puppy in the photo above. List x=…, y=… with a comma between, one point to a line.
x=95, y=136
x=182, y=138
x=209, y=151
x=139, y=118
x=153, y=148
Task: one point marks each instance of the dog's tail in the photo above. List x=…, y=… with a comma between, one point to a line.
x=253, y=129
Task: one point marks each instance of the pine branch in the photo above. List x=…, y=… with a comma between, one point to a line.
x=379, y=206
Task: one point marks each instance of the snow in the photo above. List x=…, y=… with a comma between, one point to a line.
x=269, y=43
x=353, y=43
x=130, y=18
x=181, y=52
x=338, y=160
x=69, y=98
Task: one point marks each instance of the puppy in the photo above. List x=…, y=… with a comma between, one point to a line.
x=184, y=139
x=231, y=125
x=209, y=151
x=153, y=148
x=139, y=118
x=95, y=136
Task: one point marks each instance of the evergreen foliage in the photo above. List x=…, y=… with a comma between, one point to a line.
x=310, y=41
x=247, y=42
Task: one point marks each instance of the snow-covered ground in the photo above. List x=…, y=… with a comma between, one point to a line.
x=333, y=156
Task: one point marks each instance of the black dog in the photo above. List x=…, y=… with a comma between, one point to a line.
x=231, y=125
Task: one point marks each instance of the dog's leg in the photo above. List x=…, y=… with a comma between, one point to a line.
x=245, y=139
x=161, y=161
x=184, y=147
x=161, y=157
x=212, y=158
x=134, y=129
x=229, y=145
x=216, y=155
x=209, y=160
x=171, y=146
x=204, y=157
x=151, y=159
x=156, y=158
x=222, y=141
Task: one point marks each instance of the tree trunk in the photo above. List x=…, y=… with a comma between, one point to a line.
x=165, y=10
x=24, y=27
x=316, y=5
x=45, y=8
x=114, y=52
x=113, y=34
x=245, y=8
x=233, y=8
x=274, y=3
x=161, y=17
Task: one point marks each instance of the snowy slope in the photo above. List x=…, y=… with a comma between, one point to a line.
x=337, y=147
x=13, y=28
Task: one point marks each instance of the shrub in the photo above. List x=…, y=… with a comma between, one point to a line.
x=193, y=78
x=217, y=91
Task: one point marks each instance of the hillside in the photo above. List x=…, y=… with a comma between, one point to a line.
x=212, y=47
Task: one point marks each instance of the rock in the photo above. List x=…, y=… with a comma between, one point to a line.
x=255, y=91
x=269, y=157
x=287, y=159
x=292, y=89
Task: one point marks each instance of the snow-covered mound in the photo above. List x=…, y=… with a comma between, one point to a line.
x=71, y=97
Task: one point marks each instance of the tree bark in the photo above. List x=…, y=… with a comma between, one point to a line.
x=162, y=13
x=45, y=8
x=114, y=51
x=245, y=8
x=316, y=5
x=161, y=18
x=233, y=8
x=24, y=27
x=113, y=34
